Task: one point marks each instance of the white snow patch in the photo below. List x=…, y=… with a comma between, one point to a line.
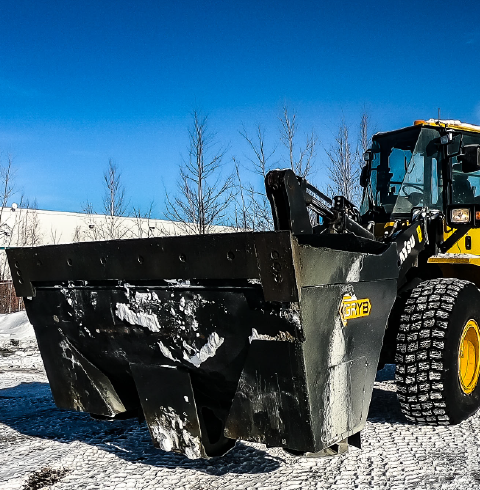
x=170, y=433
x=355, y=269
x=178, y=282
x=144, y=297
x=188, y=347
x=280, y=337
x=93, y=298
x=140, y=318
x=456, y=256
x=166, y=352
x=208, y=350
x=15, y=326
x=292, y=315
x=127, y=287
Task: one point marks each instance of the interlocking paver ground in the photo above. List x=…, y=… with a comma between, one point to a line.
x=35, y=435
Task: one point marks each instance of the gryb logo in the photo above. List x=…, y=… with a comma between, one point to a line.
x=351, y=307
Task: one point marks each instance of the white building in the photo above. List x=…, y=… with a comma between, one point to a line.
x=28, y=227
x=20, y=227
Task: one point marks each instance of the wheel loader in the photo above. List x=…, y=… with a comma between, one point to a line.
x=276, y=337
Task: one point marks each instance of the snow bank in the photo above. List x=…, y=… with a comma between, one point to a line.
x=15, y=326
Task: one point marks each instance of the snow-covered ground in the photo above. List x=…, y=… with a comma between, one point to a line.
x=44, y=447
x=15, y=326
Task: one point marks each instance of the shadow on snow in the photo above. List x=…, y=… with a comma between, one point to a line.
x=384, y=406
x=29, y=409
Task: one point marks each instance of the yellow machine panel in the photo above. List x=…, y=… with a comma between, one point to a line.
x=460, y=247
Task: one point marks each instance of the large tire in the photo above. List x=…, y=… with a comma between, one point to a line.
x=437, y=315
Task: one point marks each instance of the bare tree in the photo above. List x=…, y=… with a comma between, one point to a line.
x=343, y=166
x=77, y=234
x=144, y=227
x=6, y=225
x=27, y=227
x=203, y=195
x=364, y=138
x=19, y=225
x=111, y=225
x=261, y=161
x=114, y=201
x=300, y=158
x=243, y=215
x=364, y=135
x=94, y=230
x=7, y=186
x=255, y=205
x=55, y=236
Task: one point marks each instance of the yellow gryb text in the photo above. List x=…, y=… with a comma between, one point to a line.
x=354, y=308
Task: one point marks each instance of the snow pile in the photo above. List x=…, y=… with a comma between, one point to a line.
x=15, y=326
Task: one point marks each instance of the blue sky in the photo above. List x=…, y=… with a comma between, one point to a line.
x=82, y=82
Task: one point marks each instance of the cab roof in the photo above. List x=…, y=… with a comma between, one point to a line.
x=454, y=124
x=448, y=123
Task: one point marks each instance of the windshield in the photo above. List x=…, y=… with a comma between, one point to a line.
x=405, y=171
x=466, y=187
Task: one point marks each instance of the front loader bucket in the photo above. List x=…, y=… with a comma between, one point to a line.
x=265, y=337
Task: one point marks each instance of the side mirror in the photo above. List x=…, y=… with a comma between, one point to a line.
x=365, y=175
x=368, y=156
x=470, y=158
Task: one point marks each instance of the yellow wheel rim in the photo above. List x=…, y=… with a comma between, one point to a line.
x=469, y=357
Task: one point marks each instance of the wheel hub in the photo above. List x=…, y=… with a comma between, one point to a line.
x=469, y=357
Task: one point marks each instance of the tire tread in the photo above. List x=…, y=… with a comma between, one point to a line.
x=419, y=374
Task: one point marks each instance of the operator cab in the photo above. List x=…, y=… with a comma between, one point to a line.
x=404, y=170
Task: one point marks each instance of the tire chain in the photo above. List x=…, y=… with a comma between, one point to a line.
x=419, y=374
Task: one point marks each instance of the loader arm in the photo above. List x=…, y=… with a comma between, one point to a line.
x=294, y=201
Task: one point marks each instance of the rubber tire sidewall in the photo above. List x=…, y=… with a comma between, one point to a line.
x=459, y=404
